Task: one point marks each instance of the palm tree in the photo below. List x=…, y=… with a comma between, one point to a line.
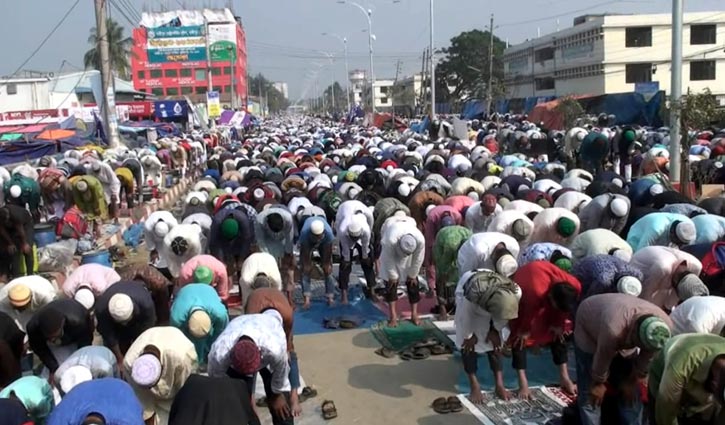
x=119, y=50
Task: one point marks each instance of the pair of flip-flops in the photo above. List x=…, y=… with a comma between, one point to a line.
x=342, y=322
x=420, y=353
x=444, y=405
x=436, y=347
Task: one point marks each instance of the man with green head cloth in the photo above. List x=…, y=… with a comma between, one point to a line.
x=625, y=150
x=231, y=238
x=607, y=325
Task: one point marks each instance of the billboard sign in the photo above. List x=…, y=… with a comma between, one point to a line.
x=213, y=104
x=222, y=42
x=171, y=109
x=176, y=44
x=648, y=89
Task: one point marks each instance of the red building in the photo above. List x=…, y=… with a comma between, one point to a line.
x=170, y=60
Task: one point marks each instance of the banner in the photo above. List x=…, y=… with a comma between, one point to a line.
x=213, y=104
x=171, y=109
x=222, y=42
x=176, y=44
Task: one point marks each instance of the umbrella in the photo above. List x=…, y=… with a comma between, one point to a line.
x=55, y=134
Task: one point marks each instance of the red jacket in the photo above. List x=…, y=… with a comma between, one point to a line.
x=536, y=315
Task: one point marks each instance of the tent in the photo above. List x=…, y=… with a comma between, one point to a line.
x=56, y=134
x=19, y=151
x=385, y=122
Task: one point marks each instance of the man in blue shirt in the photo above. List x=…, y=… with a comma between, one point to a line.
x=316, y=234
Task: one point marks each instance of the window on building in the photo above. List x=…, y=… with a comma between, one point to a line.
x=703, y=34
x=227, y=89
x=200, y=90
x=638, y=37
x=638, y=73
x=172, y=91
x=547, y=83
x=187, y=90
x=216, y=71
x=171, y=73
x=383, y=100
x=702, y=70
x=217, y=89
x=200, y=74
x=156, y=73
x=158, y=91
x=227, y=70
x=142, y=90
x=141, y=75
x=185, y=72
x=544, y=54
x=12, y=88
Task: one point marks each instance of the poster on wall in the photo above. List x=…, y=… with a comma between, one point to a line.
x=176, y=44
x=222, y=42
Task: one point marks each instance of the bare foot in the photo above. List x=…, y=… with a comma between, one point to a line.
x=476, y=397
x=524, y=393
x=330, y=301
x=343, y=298
x=502, y=393
x=415, y=320
x=393, y=323
x=443, y=317
x=569, y=387
x=306, y=305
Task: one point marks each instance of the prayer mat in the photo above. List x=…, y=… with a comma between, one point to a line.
x=407, y=334
x=546, y=404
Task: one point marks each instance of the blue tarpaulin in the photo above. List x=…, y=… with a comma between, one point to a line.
x=19, y=151
x=629, y=108
x=473, y=109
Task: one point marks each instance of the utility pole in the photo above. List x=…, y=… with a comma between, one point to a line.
x=210, y=84
x=489, y=86
x=432, y=67
x=676, y=91
x=232, y=57
x=259, y=86
x=108, y=100
x=392, y=94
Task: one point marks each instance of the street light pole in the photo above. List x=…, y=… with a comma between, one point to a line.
x=347, y=68
x=432, y=67
x=369, y=15
x=676, y=91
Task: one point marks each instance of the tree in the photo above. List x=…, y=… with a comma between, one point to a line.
x=697, y=112
x=340, y=97
x=272, y=98
x=570, y=110
x=119, y=50
x=463, y=72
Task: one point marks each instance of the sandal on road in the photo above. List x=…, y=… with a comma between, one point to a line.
x=421, y=354
x=307, y=393
x=407, y=355
x=440, y=349
x=385, y=352
x=440, y=405
x=329, y=411
x=455, y=404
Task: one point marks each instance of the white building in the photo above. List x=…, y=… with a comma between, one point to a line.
x=358, y=80
x=612, y=53
x=282, y=88
x=408, y=91
x=383, y=94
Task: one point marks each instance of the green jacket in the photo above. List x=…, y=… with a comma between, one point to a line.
x=94, y=207
x=677, y=376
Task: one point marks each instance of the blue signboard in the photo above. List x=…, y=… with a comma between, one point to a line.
x=173, y=109
x=648, y=90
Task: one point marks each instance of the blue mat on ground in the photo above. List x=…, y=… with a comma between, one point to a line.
x=312, y=321
x=540, y=370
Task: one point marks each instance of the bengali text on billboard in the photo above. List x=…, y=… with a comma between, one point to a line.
x=176, y=44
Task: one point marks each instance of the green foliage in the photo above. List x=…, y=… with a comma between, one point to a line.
x=701, y=110
x=119, y=50
x=464, y=67
x=570, y=110
x=276, y=102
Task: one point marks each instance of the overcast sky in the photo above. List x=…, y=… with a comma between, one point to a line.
x=284, y=37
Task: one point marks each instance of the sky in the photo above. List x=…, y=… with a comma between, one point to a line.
x=284, y=37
